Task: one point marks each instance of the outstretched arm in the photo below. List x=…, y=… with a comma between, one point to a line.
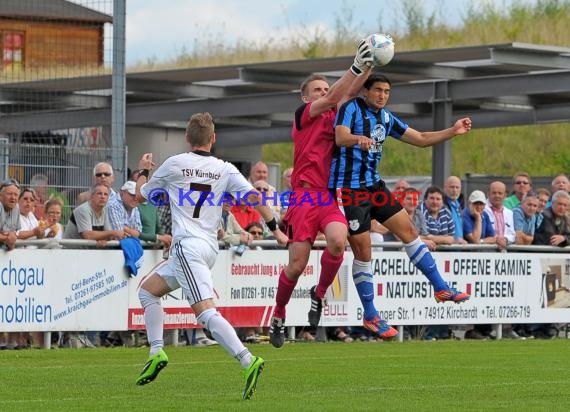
x=426, y=139
x=349, y=84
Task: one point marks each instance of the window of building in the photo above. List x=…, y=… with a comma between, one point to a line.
x=12, y=50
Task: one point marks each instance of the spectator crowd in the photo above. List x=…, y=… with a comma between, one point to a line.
x=501, y=216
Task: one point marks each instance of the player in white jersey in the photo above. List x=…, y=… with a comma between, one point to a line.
x=196, y=183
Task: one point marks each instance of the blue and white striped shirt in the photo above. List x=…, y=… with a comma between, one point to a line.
x=351, y=166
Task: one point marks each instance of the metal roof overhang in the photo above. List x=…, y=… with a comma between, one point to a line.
x=497, y=85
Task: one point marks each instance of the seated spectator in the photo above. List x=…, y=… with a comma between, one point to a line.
x=29, y=225
x=477, y=227
x=90, y=221
x=522, y=184
x=555, y=227
x=454, y=201
x=50, y=224
x=501, y=217
x=524, y=218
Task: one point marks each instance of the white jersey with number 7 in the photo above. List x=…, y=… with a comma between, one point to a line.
x=196, y=183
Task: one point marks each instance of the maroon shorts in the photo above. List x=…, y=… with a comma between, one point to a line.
x=309, y=212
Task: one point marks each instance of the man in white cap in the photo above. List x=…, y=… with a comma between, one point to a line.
x=123, y=212
x=477, y=227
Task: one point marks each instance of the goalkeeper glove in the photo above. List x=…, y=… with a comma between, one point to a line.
x=362, y=59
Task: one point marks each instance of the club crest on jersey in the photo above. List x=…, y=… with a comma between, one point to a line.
x=354, y=224
x=378, y=135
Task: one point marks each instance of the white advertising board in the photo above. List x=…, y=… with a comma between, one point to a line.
x=71, y=289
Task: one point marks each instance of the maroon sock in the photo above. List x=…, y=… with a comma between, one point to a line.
x=284, y=292
x=329, y=267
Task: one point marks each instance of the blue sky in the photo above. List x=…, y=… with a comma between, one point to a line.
x=160, y=29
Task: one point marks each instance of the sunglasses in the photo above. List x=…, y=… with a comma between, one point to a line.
x=256, y=233
x=106, y=174
x=261, y=189
x=521, y=182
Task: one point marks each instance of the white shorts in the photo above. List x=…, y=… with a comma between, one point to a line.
x=189, y=267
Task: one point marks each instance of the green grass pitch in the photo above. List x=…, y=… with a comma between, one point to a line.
x=387, y=376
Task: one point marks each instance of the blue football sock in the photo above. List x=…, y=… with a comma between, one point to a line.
x=362, y=276
x=420, y=256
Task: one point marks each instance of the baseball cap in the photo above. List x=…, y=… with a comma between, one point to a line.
x=477, y=196
x=130, y=187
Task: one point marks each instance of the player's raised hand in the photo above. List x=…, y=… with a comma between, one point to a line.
x=146, y=162
x=462, y=126
x=363, y=58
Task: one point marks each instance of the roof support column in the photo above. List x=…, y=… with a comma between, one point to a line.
x=441, y=154
x=119, y=88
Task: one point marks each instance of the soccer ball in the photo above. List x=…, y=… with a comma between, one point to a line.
x=382, y=48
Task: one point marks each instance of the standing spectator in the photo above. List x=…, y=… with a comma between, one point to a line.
x=441, y=231
x=524, y=218
x=151, y=230
x=258, y=172
x=29, y=229
x=440, y=225
x=543, y=200
x=123, y=212
x=268, y=198
x=477, y=226
x=9, y=228
x=362, y=125
x=502, y=221
x=560, y=182
x=554, y=231
x=522, y=184
x=9, y=213
x=50, y=224
x=401, y=185
x=454, y=201
x=102, y=174
x=29, y=225
x=501, y=217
